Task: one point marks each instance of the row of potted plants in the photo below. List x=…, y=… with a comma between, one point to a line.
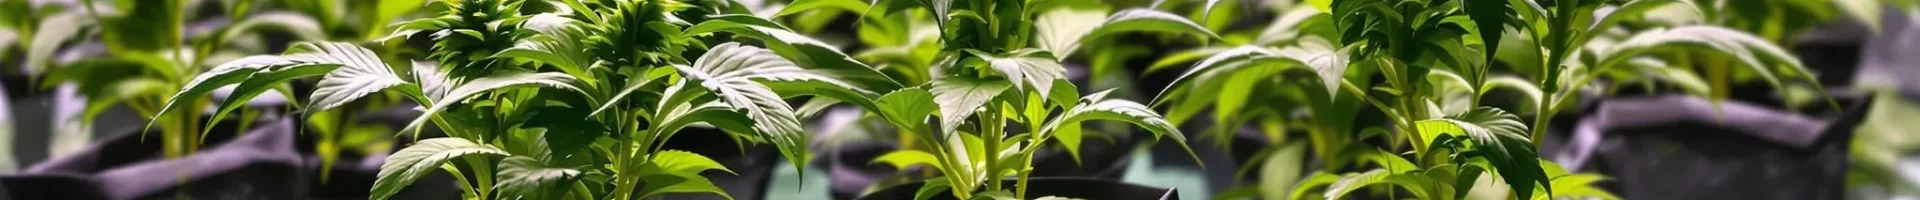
x=1432, y=99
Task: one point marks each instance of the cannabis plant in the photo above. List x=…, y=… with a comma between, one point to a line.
x=1435, y=61
x=570, y=99
x=998, y=69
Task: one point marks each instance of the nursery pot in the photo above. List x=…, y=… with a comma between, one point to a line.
x=1681, y=147
x=1079, y=188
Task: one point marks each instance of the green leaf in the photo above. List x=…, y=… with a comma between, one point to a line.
x=1627, y=11
x=561, y=43
x=1500, y=137
x=1028, y=70
x=526, y=177
x=1523, y=86
x=1143, y=19
x=677, y=161
x=280, y=68
x=302, y=27
x=48, y=37
x=1294, y=24
x=1183, y=57
x=1354, y=182
x=1096, y=107
x=1581, y=185
x=932, y=186
x=675, y=171
x=490, y=83
x=634, y=84
x=259, y=82
x=854, y=6
x=733, y=72
x=1212, y=78
x=1059, y=30
x=394, y=9
x=807, y=52
x=903, y=159
x=1317, y=180
x=413, y=162
x=1763, y=58
x=959, y=96
x=1490, y=16
x=907, y=107
x=1282, y=169
x=361, y=73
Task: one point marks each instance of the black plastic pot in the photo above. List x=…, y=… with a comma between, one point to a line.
x=1079, y=188
x=1680, y=147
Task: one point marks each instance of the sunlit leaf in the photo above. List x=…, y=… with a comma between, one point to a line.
x=903, y=159
x=490, y=83
x=958, y=97
x=1499, y=136
x=1059, y=30
x=361, y=73
x=1142, y=19
x=413, y=162
x=1353, y=182
x=1096, y=107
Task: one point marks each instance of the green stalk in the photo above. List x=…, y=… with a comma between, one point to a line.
x=990, y=128
x=482, y=172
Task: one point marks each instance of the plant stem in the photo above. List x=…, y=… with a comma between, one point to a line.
x=990, y=129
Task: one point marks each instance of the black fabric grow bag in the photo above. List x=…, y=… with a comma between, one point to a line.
x=1080, y=188
x=1680, y=147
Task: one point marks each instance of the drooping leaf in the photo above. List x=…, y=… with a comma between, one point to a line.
x=1627, y=11
x=302, y=27
x=260, y=82
x=735, y=73
x=413, y=162
x=958, y=97
x=1762, y=57
x=1144, y=19
x=854, y=6
x=1209, y=80
x=303, y=60
x=807, y=52
x=1096, y=107
x=361, y=73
